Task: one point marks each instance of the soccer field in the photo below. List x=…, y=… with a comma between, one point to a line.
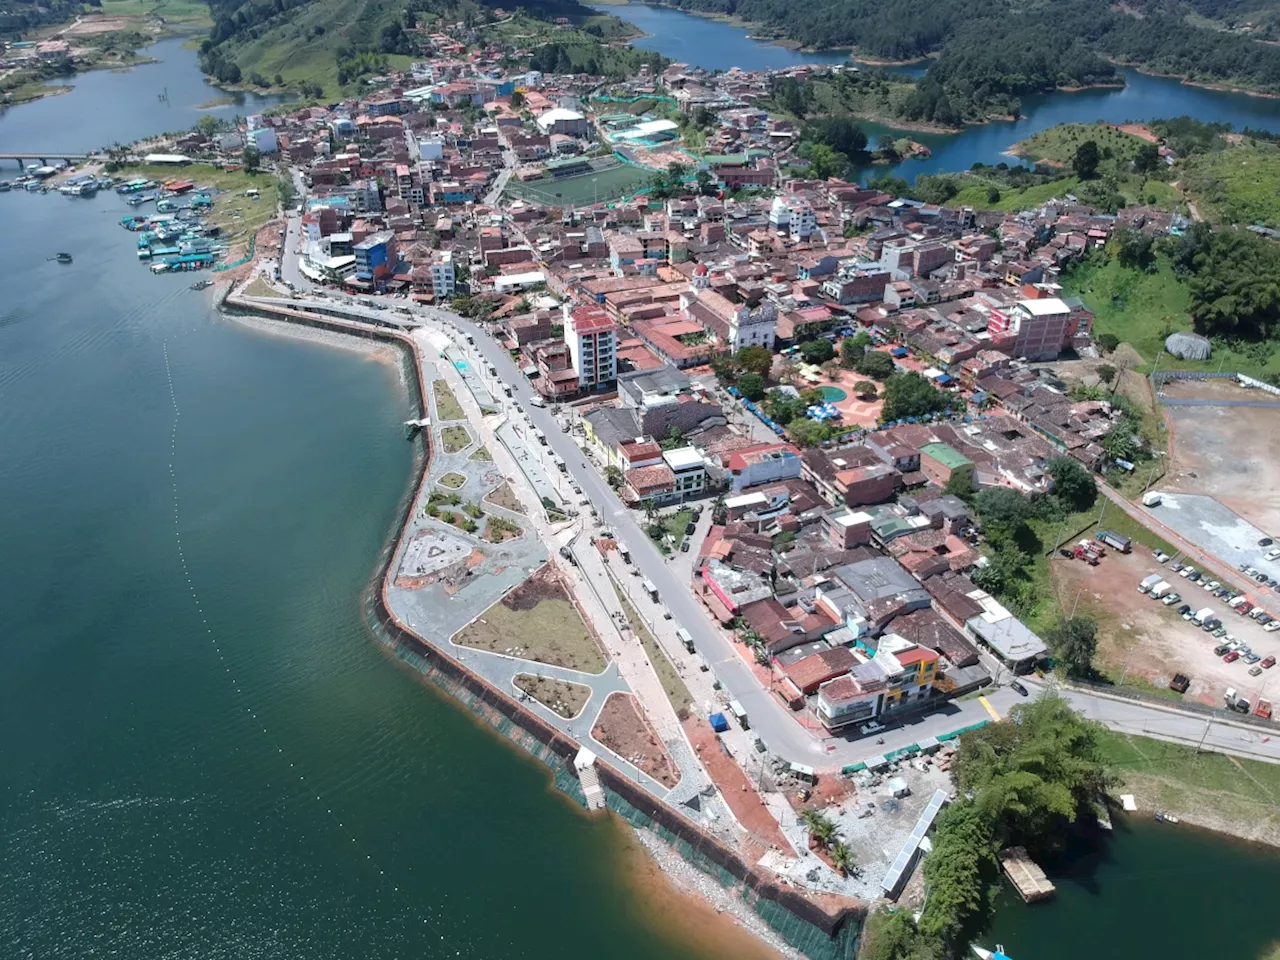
x=608, y=184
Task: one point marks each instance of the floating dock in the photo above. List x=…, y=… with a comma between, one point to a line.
x=1025, y=874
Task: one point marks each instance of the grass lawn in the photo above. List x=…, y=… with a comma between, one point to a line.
x=565, y=698
x=1207, y=788
x=260, y=288
x=672, y=685
x=482, y=454
x=455, y=439
x=1239, y=184
x=550, y=632
x=452, y=480
x=447, y=406
x=189, y=12
x=1142, y=308
x=1059, y=144
x=674, y=524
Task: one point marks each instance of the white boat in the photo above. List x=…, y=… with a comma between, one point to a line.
x=984, y=954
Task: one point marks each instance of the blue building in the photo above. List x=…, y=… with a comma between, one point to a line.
x=375, y=256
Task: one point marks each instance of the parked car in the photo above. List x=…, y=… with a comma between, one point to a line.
x=1177, y=566
x=1161, y=556
x=1273, y=625
x=1251, y=657
x=1264, y=618
x=1231, y=657
x=1171, y=599
x=1220, y=632
x=1273, y=554
x=1220, y=592
x=1265, y=542
x=1221, y=650
x=1261, y=578
x=1179, y=683
x=1186, y=571
x=1015, y=685
x=1254, y=671
x=1184, y=611
x=1268, y=663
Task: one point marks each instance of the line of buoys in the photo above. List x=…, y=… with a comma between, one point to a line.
x=177, y=520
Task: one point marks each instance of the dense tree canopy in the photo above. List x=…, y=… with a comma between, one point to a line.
x=1073, y=485
x=911, y=395
x=1233, y=281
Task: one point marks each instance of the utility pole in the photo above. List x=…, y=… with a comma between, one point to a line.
x=1208, y=724
x=1076, y=603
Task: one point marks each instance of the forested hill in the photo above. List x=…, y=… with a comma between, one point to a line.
x=993, y=49
x=326, y=47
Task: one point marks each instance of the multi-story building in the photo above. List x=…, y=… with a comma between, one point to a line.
x=442, y=277
x=365, y=195
x=688, y=468
x=593, y=346
x=375, y=256
x=1033, y=329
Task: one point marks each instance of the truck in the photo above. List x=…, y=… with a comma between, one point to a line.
x=1235, y=603
x=560, y=464
x=650, y=589
x=739, y=714
x=1201, y=616
x=686, y=638
x=1088, y=556
x=1147, y=582
x=1159, y=590
x=1151, y=499
x=1234, y=701
x=1115, y=541
x=623, y=552
x=1262, y=709
x=541, y=437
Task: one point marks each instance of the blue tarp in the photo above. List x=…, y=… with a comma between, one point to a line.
x=898, y=352
x=718, y=723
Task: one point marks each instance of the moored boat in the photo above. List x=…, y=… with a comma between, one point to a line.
x=984, y=954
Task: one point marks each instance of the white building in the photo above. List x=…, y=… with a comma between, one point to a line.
x=264, y=138
x=689, y=468
x=792, y=215
x=592, y=339
x=431, y=148
x=442, y=275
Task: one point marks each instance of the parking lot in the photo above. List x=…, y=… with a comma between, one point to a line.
x=1144, y=639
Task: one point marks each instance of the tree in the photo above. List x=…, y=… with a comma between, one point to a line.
x=886, y=146
x=1147, y=158
x=911, y=395
x=1074, y=642
x=754, y=360
x=517, y=100
x=1134, y=248
x=251, y=157
x=993, y=194
x=751, y=385
x=841, y=857
x=817, y=351
x=1108, y=342
x=613, y=476
x=783, y=406
x=958, y=873
x=875, y=364
x=959, y=484
x=852, y=349
x=864, y=390
x=1002, y=508
x=808, y=433
x=822, y=830
x=826, y=161
x=1073, y=485
x=209, y=125
x=1086, y=160
x=706, y=183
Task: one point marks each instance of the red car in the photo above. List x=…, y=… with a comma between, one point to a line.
x=1269, y=662
x=1231, y=657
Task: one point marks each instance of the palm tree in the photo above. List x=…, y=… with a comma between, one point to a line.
x=821, y=830
x=841, y=857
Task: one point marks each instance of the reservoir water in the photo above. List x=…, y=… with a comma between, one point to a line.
x=227, y=766
x=718, y=45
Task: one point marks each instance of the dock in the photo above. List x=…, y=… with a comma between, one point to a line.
x=1025, y=874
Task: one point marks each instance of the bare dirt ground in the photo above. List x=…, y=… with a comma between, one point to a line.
x=1152, y=639
x=506, y=498
x=1229, y=453
x=565, y=698
x=622, y=727
x=738, y=792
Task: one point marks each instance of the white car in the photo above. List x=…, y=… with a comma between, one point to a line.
x=1186, y=571
x=871, y=727
x=1273, y=625
x=1161, y=557
x=1273, y=554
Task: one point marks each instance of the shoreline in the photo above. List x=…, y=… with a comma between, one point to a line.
x=494, y=706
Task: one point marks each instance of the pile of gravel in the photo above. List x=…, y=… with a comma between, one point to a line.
x=1188, y=346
